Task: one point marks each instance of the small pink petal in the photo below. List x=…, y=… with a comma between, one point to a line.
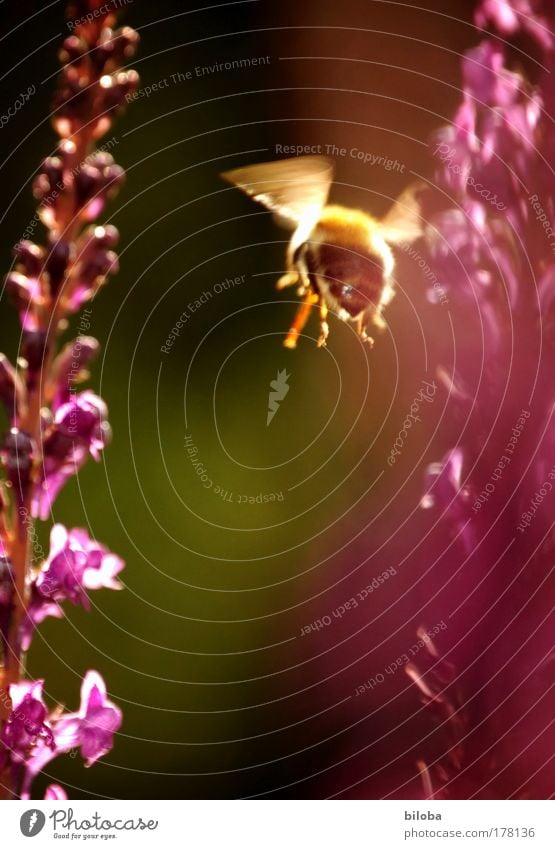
x=56, y=792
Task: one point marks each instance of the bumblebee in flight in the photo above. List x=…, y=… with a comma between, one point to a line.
x=340, y=259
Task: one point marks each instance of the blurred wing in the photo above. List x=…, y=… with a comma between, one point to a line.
x=403, y=223
x=294, y=189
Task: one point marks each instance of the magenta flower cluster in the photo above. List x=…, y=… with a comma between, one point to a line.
x=74, y=565
x=33, y=736
x=53, y=427
x=490, y=239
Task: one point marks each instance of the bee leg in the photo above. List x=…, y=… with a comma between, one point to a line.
x=324, y=329
x=289, y=279
x=377, y=320
x=301, y=319
x=304, y=284
x=361, y=331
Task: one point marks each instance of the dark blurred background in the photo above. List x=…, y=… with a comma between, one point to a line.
x=203, y=650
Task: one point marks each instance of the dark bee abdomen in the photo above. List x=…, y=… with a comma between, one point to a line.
x=353, y=279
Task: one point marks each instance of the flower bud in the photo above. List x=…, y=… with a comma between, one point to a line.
x=25, y=294
x=6, y=582
x=33, y=348
x=17, y=454
x=49, y=178
x=12, y=392
x=56, y=264
x=70, y=364
x=73, y=50
x=6, y=601
x=29, y=258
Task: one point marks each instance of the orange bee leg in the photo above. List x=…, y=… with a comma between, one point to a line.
x=301, y=319
x=289, y=279
x=324, y=329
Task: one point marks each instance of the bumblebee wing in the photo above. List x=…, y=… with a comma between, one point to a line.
x=403, y=223
x=293, y=189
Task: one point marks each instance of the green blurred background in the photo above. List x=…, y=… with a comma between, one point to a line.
x=222, y=696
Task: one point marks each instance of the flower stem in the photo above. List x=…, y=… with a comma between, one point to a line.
x=13, y=670
x=93, y=86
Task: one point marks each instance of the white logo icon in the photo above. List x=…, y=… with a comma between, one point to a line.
x=279, y=389
x=32, y=822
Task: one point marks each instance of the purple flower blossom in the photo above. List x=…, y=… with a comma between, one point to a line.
x=79, y=429
x=98, y=719
x=26, y=727
x=91, y=728
x=75, y=564
x=33, y=738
